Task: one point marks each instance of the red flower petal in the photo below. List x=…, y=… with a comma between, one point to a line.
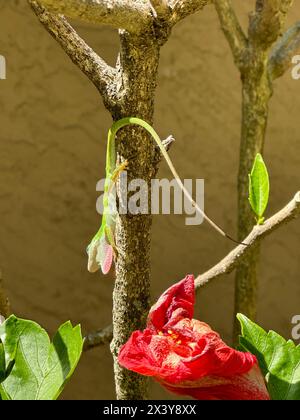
x=179, y=296
x=145, y=353
x=187, y=356
x=249, y=386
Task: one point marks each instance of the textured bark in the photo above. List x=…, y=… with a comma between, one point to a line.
x=232, y=30
x=137, y=69
x=267, y=22
x=98, y=338
x=283, y=52
x=126, y=14
x=184, y=8
x=138, y=66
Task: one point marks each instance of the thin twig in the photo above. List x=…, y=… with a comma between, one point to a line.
x=183, y=8
x=227, y=265
x=267, y=22
x=283, y=51
x=98, y=338
x=93, y=66
x=232, y=29
x=167, y=143
x=124, y=14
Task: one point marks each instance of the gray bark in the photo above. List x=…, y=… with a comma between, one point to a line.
x=138, y=64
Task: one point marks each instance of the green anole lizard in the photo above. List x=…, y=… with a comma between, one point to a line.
x=102, y=248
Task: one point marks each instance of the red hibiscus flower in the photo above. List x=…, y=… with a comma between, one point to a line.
x=187, y=357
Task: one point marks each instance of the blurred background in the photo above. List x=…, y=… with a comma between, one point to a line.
x=52, y=151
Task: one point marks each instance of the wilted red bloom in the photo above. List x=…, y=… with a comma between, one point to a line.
x=187, y=357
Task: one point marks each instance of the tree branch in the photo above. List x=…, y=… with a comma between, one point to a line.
x=232, y=29
x=184, y=8
x=231, y=261
x=98, y=338
x=283, y=51
x=267, y=23
x=124, y=14
x=93, y=66
x=167, y=143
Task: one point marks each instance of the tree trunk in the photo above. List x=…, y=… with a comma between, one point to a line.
x=256, y=93
x=138, y=65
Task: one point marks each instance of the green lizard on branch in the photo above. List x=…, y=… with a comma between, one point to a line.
x=102, y=249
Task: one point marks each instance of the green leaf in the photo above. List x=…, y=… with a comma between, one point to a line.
x=2, y=363
x=3, y=394
x=259, y=188
x=279, y=359
x=5, y=366
x=41, y=368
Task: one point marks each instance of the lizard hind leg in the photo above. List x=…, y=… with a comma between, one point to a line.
x=120, y=168
x=111, y=239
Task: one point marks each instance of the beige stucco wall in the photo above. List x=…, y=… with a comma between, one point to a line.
x=52, y=146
